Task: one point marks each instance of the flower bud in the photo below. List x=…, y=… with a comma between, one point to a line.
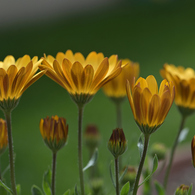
x=92, y=137
x=54, y=132
x=182, y=190
x=193, y=150
x=159, y=149
x=3, y=136
x=117, y=143
x=97, y=185
x=130, y=175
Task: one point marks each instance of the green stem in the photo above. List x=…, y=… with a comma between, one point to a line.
x=11, y=151
x=0, y=170
x=173, y=152
x=80, y=150
x=117, y=175
x=146, y=142
x=53, y=173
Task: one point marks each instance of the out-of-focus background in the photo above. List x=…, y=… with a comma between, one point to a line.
x=150, y=32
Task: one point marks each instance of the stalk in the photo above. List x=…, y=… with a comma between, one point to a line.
x=173, y=152
x=11, y=151
x=117, y=175
x=81, y=108
x=146, y=142
x=53, y=172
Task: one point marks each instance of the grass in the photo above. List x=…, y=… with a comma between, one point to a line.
x=151, y=34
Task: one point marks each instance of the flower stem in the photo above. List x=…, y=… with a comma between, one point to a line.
x=173, y=152
x=146, y=141
x=117, y=175
x=53, y=173
x=80, y=149
x=11, y=151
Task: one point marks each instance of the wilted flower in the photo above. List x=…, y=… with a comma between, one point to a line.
x=16, y=77
x=54, y=131
x=182, y=190
x=3, y=136
x=117, y=143
x=184, y=82
x=116, y=88
x=193, y=150
x=150, y=106
x=92, y=137
x=81, y=77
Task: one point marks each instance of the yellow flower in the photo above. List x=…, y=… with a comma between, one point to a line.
x=16, y=77
x=150, y=106
x=184, y=81
x=54, y=132
x=116, y=88
x=3, y=136
x=81, y=77
x=193, y=150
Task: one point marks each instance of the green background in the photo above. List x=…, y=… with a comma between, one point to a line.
x=149, y=33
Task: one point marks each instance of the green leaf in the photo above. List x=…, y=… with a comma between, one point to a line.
x=36, y=190
x=183, y=135
x=159, y=188
x=67, y=192
x=3, y=191
x=140, y=145
x=121, y=177
x=47, y=182
x=5, y=187
x=18, y=189
x=75, y=190
x=155, y=166
x=125, y=189
x=92, y=161
x=190, y=190
x=111, y=175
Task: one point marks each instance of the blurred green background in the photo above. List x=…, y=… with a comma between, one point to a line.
x=149, y=32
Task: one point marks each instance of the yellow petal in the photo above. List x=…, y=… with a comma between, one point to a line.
x=137, y=99
x=69, y=55
x=152, y=84
x=153, y=111
x=142, y=83
x=87, y=78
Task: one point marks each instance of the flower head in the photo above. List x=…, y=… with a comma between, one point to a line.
x=54, y=132
x=193, y=151
x=81, y=77
x=117, y=143
x=184, y=82
x=15, y=77
x=116, y=88
x=92, y=137
x=3, y=136
x=182, y=190
x=150, y=106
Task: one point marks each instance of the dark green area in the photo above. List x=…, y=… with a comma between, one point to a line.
x=151, y=34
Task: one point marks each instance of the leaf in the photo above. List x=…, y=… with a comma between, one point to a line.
x=36, y=190
x=92, y=161
x=125, y=189
x=67, y=192
x=190, y=190
x=140, y=145
x=3, y=191
x=123, y=174
x=18, y=189
x=155, y=166
x=159, y=188
x=75, y=190
x=5, y=187
x=111, y=175
x=183, y=135
x=47, y=182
